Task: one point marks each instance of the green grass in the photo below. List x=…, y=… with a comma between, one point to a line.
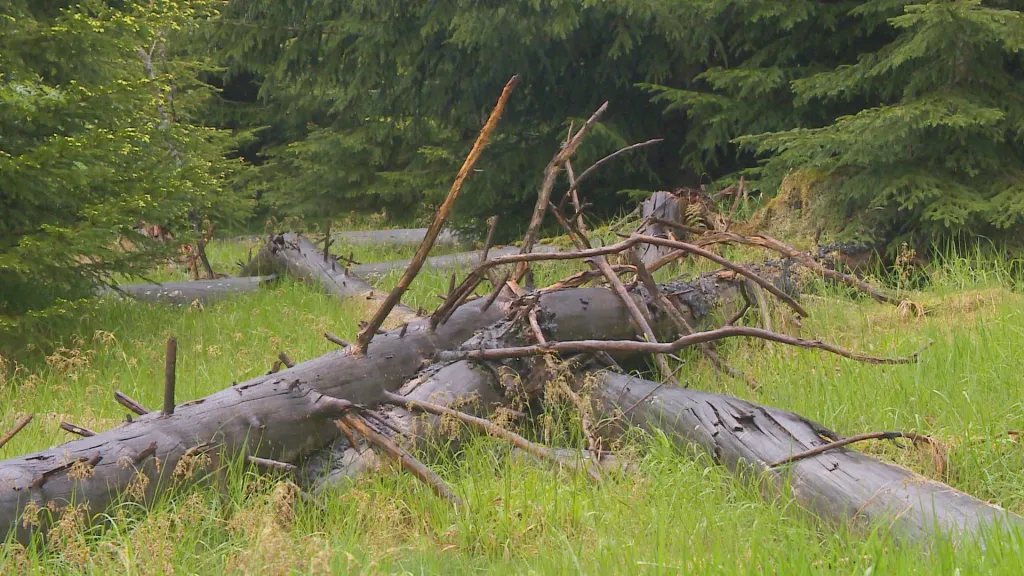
x=674, y=512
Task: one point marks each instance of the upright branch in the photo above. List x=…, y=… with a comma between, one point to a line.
x=550, y=176
x=170, y=366
x=327, y=241
x=368, y=332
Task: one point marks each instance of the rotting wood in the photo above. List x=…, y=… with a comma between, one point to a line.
x=838, y=486
x=292, y=255
x=279, y=416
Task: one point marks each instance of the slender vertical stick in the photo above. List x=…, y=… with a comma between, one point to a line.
x=544, y=196
x=367, y=333
x=327, y=242
x=490, y=237
x=170, y=365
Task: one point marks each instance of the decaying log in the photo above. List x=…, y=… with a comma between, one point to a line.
x=840, y=485
x=458, y=260
x=185, y=293
x=292, y=255
x=277, y=416
x=395, y=237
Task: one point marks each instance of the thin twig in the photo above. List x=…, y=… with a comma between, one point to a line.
x=693, y=248
x=580, y=346
x=590, y=170
x=130, y=404
x=410, y=464
x=395, y=296
x=332, y=338
x=272, y=464
x=493, y=221
x=485, y=426
x=17, y=428
x=847, y=441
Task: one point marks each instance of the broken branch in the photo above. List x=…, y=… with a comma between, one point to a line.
x=393, y=298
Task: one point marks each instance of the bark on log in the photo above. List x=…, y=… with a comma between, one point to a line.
x=185, y=293
x=292, y=255
x=839, y=485
x=273, y=416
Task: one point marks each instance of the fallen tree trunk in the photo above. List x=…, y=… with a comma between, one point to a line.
x=461, y=259
x=278, y=416
x=839, y=485
x=286, y=415
x=396, y=237
x=185, y=293
x=292, y=255
x=271, y=416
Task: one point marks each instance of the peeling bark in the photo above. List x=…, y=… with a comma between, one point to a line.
x=839, y=485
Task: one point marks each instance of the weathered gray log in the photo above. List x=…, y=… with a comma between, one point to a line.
x=292, y=255
x=273, y=416
x=397, y=237
x=839, y=485
x=185, y=293
x=595, y=313
x=264, y=418
x=461, y=259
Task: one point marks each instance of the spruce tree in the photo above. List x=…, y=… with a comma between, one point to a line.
x=97, y=106
x=934, y=149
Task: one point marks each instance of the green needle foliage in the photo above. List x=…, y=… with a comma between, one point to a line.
x=97, y=133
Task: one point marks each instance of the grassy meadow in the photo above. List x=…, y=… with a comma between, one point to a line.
x=674, y=511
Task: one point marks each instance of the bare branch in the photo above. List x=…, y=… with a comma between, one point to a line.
x=487, y=427
x=17, y=428
x=694, y=249
x=544, y=196
x=590, y=170
x=410, y=464
x=367, y=333
x=170, y=367
x=847, y=441
x=130, y=404
x=580, y=346
x=75, y=429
